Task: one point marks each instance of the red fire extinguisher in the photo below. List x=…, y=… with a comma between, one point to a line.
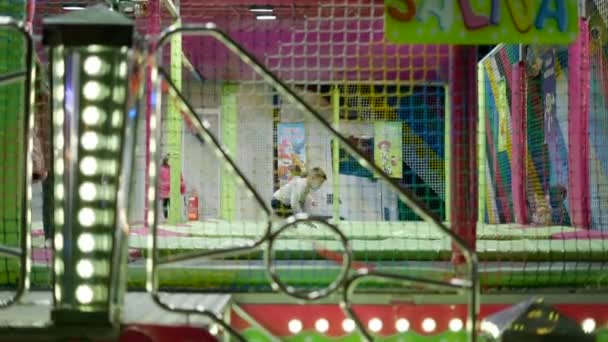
x=193, y=206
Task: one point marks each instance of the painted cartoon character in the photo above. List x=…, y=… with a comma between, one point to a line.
x=288, y=157
x=388, y=161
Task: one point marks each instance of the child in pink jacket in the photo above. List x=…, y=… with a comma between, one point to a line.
x=165, y=185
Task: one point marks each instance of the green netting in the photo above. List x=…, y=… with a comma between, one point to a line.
x=12, y=125
x=336, y=58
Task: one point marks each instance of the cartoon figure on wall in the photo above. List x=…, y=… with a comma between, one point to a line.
x=388, y=153
x=388, y=161
x=291, y=152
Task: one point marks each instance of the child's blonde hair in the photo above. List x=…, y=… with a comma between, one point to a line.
x=295, y=170
x=314, y=172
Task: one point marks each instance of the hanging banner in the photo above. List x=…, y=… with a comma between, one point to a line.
x=553, y=136
x=481, y=22
x=502, y=106
x=291, y=151
x=388, y=155
x=548, y=70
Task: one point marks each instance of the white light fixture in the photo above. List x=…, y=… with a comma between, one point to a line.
x=348, y=325
x=322, y=325
x=93, y=65
x=588, y=325
x=490, y=328
x=402, y=325
x=261, y=9
x=429, y=325
x=295, y=326
x=72, y=7
x=84, y=268
x=88, y=166
x=84, y=294
x=89, y=140
x=91, y=115
x=456, y=324
x=375, y=324
x=87, y=191
x=89, y=91
x=266, y=17
x=92, y=90
x=86, y=217
x=86, y=243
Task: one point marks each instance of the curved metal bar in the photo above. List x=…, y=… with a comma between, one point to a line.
x=12, y=77
x=353, y=281
x=26, y=239
x=404, y=194
x=276, y=282
x=203, y=312
x=10, y=251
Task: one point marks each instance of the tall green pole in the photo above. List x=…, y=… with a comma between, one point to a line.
x=335, y=105
x=229, y=116
x=481, y=144
x=174, y=131
x=447, y=151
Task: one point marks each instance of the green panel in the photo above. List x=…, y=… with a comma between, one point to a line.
x=239, y=279
x=12, y=125
x=254, y=335
x=174, y=131
x=229, y=126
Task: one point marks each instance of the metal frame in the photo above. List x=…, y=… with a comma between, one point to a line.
x=25, y=251
x=347, y=284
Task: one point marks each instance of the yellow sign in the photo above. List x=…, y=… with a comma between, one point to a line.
x=481, y=21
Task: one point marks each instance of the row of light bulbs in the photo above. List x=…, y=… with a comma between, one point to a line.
x=91, y=141
x=375, y=325
x=428, y=325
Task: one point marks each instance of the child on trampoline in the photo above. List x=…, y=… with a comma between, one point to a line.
x=293, y=197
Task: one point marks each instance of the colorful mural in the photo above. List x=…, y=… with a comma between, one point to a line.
x=547, y=129
x=291, y=139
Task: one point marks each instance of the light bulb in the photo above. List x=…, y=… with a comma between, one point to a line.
x=348, y=325
x=295, y=326
x=84, y=294
x=402, y=325
x=85, y=268
x=86, y=243
x=86, y=217
x=429, y=325
x=375, y=324
x=456, y=324
x=93, y=65
x=322, y=325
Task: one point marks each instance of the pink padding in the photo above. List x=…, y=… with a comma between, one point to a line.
x=578, y=129
x=580, y=234
x=42, y=255
x=160, y=232
x=37, y=232
x=518, y=144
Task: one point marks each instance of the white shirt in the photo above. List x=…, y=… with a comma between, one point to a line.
x=292, y=193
